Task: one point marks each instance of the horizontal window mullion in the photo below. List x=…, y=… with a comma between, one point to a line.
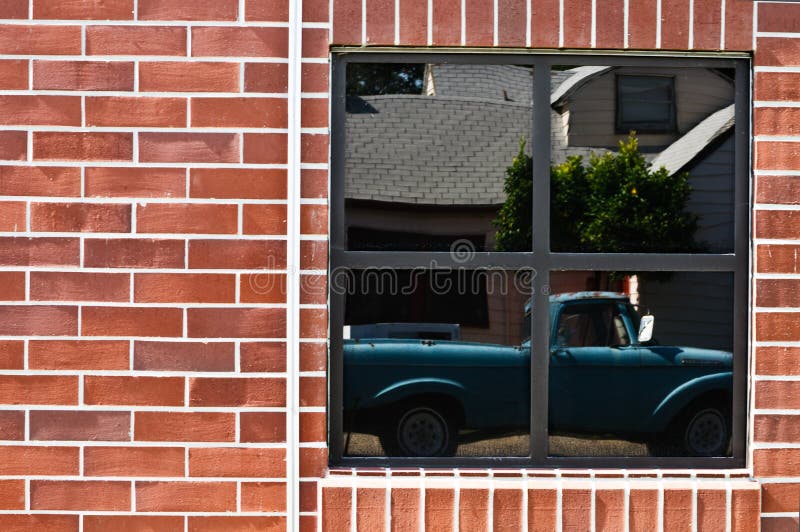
x=427, y=259
x=679, y=262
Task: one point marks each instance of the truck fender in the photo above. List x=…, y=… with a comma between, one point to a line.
x=684, y=394
x=421, y=386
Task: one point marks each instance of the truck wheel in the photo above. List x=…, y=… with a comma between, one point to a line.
x=707, y=431
x=420, y=430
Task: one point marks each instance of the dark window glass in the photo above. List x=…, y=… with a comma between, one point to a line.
x=645, y=104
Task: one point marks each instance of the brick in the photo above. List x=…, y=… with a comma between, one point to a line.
x=188, y=10
x=542, y=507
x=336, y=503
x=777, y=258
x=777, y=361
x=777, y=326
x=675, y=24
x=707, y=21
x=12, y=286
x=265, y=148
x=109, y=182
x=611, y=24
x=313, y=183
x=678, y=509
x=237, y=323
x=778, y=189
x=186, y=218
x=79, y=286
x=13, y=145
x=267, y=10
x=12, y=354
x=313, y=391
x=133, y=461
x=131, y=321
x=264, y=219
x=21, y=251
x=507, y=510
x=186, y=496
x=776, y=462
x=314, y=219
x=711, y=510
x=313, y=148
x=308, y=496
x=781, y=86
x=313, y=323
x=184, y=426
x=135, y=112
x=76, y=425
x=139, y=391
x=262, y=427
x=438, y=509
x=315, y=42
x=236, y=523
x=12, y=494
x=238, y=183
x=78, y=354
x=14, y=9
x=12, y=216
x=83, y=9
x=314, y=112
x=776, y=156
x=22, y=460
x=266, y=77
x=313, y=255
x=313, y=427
x=189, y=287
x=778, y=524
x=380, y=22
x=263, y=497
x=135, y=40
x=12, y=425
x=263, y=356
x=347, y=22
x=233, y=462
x=40, y=110
x=240, y=42
x=38, y=320
x=545, y=23
x=404, y=508
x=81, y=217
x=643, y=509
x=446, y=23
x=237, y=254
x=240, y=112
x=133, y=523
x=183, y=356
x=260, y=288
x=36, y=522
x=315, y=11
x=239, y=392
x=83, y=75
x=13, y=74
x=745, y=510
x=777, y=394
x=780, y=497
x=609, y=509
x=473, y=510
x=777, y=428
x=371, y=509
x=189, y=147
x=39, y=181
x=575, y=509
x=133, y=253
x=313, y=289
x=577, y=23
x=314, y=76
x=80, y=495
x=40, y=40
x=778, y=18
x=70, y=146
x=776, y=51
x=166, y=76
x=778, y=293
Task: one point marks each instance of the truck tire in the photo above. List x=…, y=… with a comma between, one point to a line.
x=420, y=430
x=707, y=430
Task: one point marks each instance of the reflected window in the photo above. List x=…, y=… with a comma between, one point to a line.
x=645, y=104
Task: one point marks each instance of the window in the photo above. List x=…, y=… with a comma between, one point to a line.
x=503, y=292
x=645, y=104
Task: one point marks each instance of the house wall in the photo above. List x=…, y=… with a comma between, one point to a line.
x=163, y=176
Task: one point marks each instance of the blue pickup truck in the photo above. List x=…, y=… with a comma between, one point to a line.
x=606, y=377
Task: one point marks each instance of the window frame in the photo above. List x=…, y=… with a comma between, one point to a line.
x=621, y=129
x=540, y=257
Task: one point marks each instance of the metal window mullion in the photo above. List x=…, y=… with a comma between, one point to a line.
x=540, y=311
x=428, y=259
x=679, y=262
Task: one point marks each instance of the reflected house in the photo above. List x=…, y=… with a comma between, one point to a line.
x=424, y=171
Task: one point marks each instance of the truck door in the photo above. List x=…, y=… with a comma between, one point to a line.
x=593, y=367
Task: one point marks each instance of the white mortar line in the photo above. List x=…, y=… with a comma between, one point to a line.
x=722, y=25
x=658, y=23
x=593, y=38
x=560, y=23
x=363, y=25
x=691, y=24
x=495, y=13
x=463, y=22
x=625, y=27
x=528, y=23
x=396, y=22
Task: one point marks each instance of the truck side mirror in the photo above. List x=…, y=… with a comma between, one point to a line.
x=646, y=328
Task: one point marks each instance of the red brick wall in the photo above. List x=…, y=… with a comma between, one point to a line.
x=163, y=184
